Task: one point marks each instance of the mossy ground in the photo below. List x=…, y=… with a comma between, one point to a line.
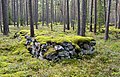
x=15, y=61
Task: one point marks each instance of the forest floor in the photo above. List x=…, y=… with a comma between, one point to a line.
x=15, y=60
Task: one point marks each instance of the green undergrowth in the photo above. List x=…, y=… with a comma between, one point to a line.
x=112, y=29
x=15, y=60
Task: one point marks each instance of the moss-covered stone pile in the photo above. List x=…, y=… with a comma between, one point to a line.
x=57, y=48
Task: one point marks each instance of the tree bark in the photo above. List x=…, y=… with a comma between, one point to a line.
x=31, y=19
x=47, y=13
x=42, y=12
x=73, y=13
x=95, y=19
x=78, y=1
x=52, y=14
x=64, y=14
x=91, y=14
x=68, y=26
x=116, y=12
x=55, y=18
x=14, y=12
x=119, y=15
x=84, y=17
x=27, y=12
x=0, y=17
x=17, y=13
x=5, y=17
x=119, y=22
x=21, y=12
x=107, y=21
x=12, y=4
x=105, y=9
x=36, y=14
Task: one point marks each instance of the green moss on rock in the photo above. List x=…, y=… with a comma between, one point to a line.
x=50, y=51
x=72, y=39
x=75, y=40
x=43, y=39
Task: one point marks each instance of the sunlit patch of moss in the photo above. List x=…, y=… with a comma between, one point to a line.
x=43, y=39
x=115, y=46
x=39, y=23
x=23, y=32
x=17, y=74
x=61, y=39
x=20, y=73
x=77, y=39
x=22, y=42
x=1, y=42
x=4, y=64
x=7, y=75
x=21, y=50
x=8, y=46
x=50, y=51
x=3, y=58
x=72, y=39
x=112, y=29
x=61, y=35
x=43, y=32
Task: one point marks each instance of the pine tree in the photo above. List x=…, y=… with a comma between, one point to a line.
x=107, y=20
x=31, y=19
x=5, y=17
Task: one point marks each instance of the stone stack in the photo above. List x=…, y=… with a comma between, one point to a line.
x=57, y=51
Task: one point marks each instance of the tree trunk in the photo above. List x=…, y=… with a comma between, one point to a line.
x=14, y=12
x=52, y=14
x=68, y=26
x=105, y=9
x=119, y=22
x=12, y=4
x=27, y=12
x=24, y=13
x=95, y=19
x=73, y=13
x=21, y=12
x=91, y=14
x=9, y=14
x=36, y=14
x=47, y=13
x=17, y=13
x=0, y=17
x=42, y=12
x=107, y=21
x=119, y=15
x=5, y=17
x=55, y=12
x=64, y=14
x=78, y=17
x=116, y=12
x=84, y=17
x=31, y=19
